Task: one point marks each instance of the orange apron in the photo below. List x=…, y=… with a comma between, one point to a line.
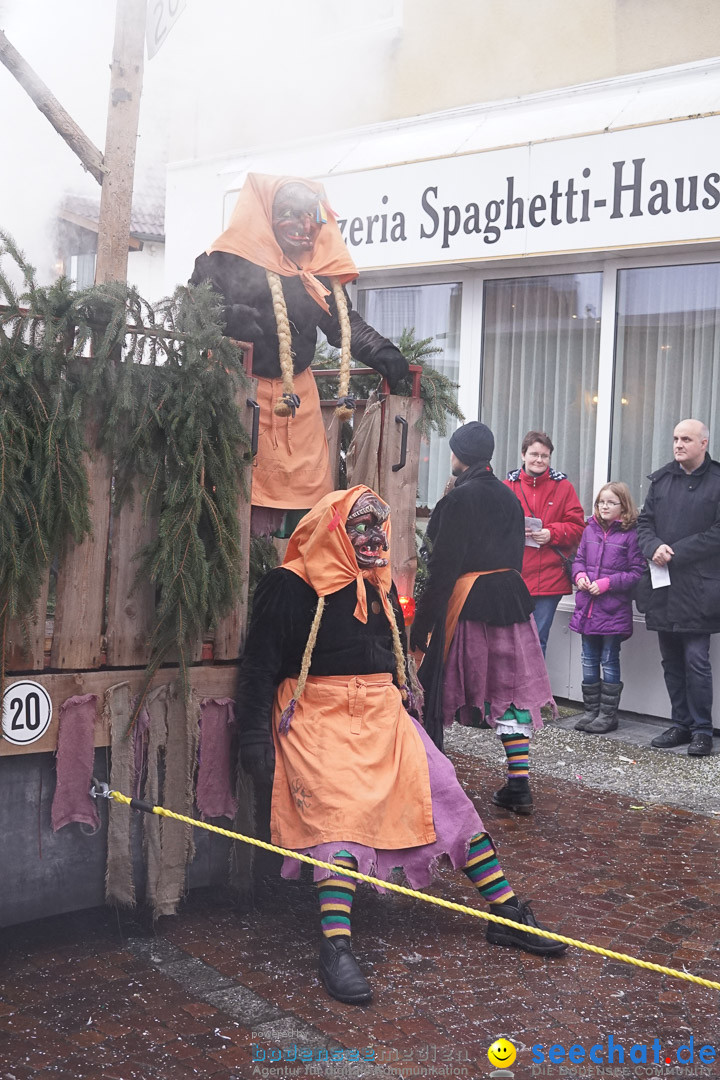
x=292, y=469
x=352, y=767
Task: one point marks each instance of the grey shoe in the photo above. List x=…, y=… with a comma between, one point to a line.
x=602, y=725
x=591, y=701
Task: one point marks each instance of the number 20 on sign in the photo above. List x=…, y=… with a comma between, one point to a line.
x=27, y=712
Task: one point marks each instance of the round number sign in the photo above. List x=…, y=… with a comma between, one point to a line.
x=27, y=712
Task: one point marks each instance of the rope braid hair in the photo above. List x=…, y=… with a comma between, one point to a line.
x=344, y=411
x=282, y=407
x=309, y=646
x=399, y=660
x=287, y=713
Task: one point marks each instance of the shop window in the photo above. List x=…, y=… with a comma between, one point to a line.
x=667, y=364
x=432, y=311
x=541, y=342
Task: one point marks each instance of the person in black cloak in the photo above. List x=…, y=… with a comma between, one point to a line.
x=484, y=653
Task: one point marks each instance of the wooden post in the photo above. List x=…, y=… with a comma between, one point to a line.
x=130, y=611
x=81, y=584
x=19, y=654
x=120, y=139
x=80, y=599
x=333, y=431
x=230, y=631
x=398, y=486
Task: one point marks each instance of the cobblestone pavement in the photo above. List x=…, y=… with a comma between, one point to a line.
x=97, y=994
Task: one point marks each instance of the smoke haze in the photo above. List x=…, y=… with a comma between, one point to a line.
x=231, y=74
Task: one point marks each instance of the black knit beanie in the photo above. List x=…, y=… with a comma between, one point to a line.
x=473, y=442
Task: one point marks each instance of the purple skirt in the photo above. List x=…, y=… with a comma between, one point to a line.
x=502, y=665
x=455, y=819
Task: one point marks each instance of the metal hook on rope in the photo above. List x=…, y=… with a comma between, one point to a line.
x=99, y=789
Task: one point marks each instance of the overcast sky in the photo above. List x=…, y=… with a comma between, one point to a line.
x=231, y=73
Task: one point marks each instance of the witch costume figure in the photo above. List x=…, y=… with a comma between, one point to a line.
x=322, y=697
x=281, y=266
x=484, y=657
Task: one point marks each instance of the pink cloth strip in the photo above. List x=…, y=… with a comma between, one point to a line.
x=213, y=793
x=74, y=764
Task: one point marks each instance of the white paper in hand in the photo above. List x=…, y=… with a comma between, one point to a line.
x=532, y=524
x=659, y=575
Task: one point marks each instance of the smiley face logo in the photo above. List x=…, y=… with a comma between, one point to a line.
x=502, y=1053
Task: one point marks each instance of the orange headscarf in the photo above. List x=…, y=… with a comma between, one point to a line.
x=250, y=235
x=320, y=551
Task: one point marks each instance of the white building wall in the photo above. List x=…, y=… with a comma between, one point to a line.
x=670, y=120
x=146, y=271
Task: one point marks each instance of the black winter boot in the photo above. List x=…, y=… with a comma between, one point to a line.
x=515, y=796
x=591, y=701
x=607, y=718
x=340, y=973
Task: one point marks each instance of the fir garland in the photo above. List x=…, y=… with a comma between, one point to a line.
x=438, y=392
x=43, y=485
x=183, y=434
x=169, y=381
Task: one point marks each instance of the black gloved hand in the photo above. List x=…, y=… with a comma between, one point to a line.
x=258, y=760
x=391, y=363
x=241, y=323
x=418, y=639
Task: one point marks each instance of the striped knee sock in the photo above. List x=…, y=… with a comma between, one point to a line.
x=517, y=751
x=336, y=895
x=485, y=871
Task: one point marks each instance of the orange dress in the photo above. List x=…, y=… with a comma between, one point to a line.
x=292, y=467
x=346, y=766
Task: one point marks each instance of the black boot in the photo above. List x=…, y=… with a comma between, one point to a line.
x=519, y=911
x=340, y=973
x=591, y=701
x=607, y=718
x=515, y=796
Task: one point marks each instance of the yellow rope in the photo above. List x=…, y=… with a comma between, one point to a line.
x=461, y=908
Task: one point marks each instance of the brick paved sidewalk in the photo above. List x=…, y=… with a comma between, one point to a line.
x=96, y=994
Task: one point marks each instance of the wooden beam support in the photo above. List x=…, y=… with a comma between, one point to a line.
x=89, y=155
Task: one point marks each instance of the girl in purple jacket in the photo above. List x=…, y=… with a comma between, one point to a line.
x=606, y=568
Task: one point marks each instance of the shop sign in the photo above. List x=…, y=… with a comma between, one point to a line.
x=644, y=185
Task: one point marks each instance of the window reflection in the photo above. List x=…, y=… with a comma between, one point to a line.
x=433, y=311
x=667, y=364
x=540, y=369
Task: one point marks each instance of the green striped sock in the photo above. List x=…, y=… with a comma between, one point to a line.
x=485, y=871
x=336, y=895
x=517, y=751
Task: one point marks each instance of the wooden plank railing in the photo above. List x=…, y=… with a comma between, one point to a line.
x=101, y=620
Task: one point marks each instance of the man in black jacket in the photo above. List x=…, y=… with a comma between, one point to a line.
x=484, y=653
x=679, y=528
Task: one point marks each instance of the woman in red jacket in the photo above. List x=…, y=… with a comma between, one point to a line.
x=548, y=497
